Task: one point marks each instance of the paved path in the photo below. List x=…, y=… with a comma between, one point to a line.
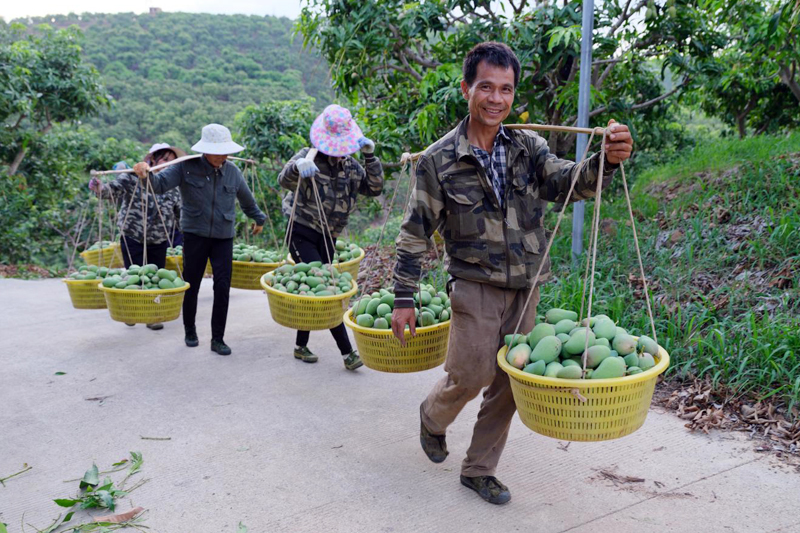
x=285, y=446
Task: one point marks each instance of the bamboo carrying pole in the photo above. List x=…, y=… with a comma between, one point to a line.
x=163, y=165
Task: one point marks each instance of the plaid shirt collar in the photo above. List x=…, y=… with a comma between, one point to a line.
x=496, y=164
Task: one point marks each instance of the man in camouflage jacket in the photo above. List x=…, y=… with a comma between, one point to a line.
x=484, y=188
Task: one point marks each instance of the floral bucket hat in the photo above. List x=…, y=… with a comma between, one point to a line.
x=335, y=133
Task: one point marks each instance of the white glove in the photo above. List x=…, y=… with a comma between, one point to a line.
x=306, y=167
x=367, y=146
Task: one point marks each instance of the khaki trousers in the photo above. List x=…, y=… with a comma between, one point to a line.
x=481, y=317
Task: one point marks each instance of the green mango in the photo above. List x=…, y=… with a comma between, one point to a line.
x=624, y=344
x=605, y=329
x=109, y=282
x=313, y=281
x=387, y=299
x=600, y=341
x=93, y=268
x=134, y=280
x=552, y=369
x=90, y=275
x=596, y=355
x=537, y=368
x=426, y=319
x=165, y=284
x=577, y=341
x=631, y=360
x=539, y=332
x=381, y=323
x=121, y=285
x=436, y=309
x=383, y=309
x=611, y=367
x=445, y=316
x=546, y=350
x=325, y=293
x=436, y=301
x=555, y=315
x=633, y=370
x=647, y=345
x=621, y=331
x=133, y=288
x=361, y=308
x=315, y=264
x=426, y=297
x=614, y=353
x=372, y=306
x=570, y=372
x=563, y=337
x=570, y=362
x=302, y=267
x=365, y=320
x=646, y=362
x=519, y=355
x=520, y=338
x=564, y=326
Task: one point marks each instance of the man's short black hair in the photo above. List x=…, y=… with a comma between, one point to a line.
x=494, y=53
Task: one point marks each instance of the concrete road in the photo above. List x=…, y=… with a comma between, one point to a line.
x=279, y=445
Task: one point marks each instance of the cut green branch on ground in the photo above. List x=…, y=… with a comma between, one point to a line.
x=25, y=468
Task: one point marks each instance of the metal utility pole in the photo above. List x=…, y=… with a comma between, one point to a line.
x=583, y=119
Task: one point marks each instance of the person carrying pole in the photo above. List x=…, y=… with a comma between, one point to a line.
x=210, y=186
x=340, y=179
x=484, y=187
x=130, y=218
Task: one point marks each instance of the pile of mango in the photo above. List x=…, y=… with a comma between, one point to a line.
x=94, y=272
x=309, y=279
x=251, y=253
x=178, y=250
x=100, y=244
x=375, y=310
x=555, y=347
x=345, y=252
x=144, y=278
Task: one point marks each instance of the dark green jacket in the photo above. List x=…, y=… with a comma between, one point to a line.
x=209, y=196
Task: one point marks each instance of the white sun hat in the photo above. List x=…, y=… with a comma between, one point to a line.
x=216, y=140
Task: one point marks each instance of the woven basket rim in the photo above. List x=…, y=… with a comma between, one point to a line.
x=351, y=262
x=533, y=379
x=388, y=332
x=82, y=281
x=253, y=263
x=288, y=296
x=112, y=290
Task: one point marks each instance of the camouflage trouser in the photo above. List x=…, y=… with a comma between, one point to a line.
x=482, y=316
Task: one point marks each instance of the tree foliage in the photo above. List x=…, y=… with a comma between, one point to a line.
x=44, y=82
x=400, y=62
x=169, y=74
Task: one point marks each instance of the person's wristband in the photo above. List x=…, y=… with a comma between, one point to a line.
x=404, y=300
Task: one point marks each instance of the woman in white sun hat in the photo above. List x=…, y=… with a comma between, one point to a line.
x=340, y=179
x=210, y=186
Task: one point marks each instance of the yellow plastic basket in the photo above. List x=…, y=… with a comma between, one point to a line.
x=247, y=275
x=613, y=407
x=85, y=294
x=144, y=307
x=348, y=266
x=174, y=260
x=307, y=313
x=110, y=257
x=380, y=350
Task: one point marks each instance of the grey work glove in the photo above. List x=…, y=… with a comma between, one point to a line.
x=306, y=167
x=367, y=146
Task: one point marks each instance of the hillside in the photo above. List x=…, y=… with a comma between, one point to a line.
x=171, y=73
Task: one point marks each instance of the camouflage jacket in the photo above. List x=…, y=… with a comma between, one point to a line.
x=131, y=221
x=483, y=243
x=338, y=186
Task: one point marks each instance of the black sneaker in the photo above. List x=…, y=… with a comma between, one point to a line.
x=155, y=327
x=353, y=361
x=220, y=347
x=304, y=354
x=191, y=338
x=488, y=488
x=434, y=446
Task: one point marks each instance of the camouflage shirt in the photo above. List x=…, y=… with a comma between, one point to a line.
x=338, y=184
x=485, y=243
x=131, y=221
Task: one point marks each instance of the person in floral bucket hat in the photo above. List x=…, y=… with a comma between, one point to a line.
x=340, y=179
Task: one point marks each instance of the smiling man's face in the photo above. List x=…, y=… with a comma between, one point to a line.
x=491, y=95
